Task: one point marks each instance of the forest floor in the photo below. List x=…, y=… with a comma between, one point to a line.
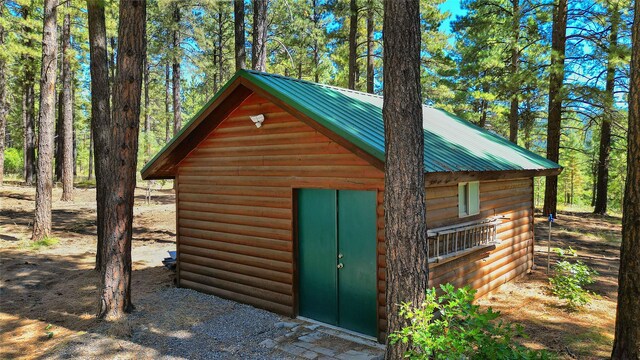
x=48, y=294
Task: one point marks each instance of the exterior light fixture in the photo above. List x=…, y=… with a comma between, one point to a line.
x=257, y=119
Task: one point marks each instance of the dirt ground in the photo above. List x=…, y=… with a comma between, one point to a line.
x=48, y=296
x=588, y=333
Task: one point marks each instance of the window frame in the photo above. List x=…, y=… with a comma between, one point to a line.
x=467, y=190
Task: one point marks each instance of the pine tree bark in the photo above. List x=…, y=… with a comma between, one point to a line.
x=167, y=102
x=44, y=181
x=3, y=97
x=91, y=152
x=29, y=126
x=115, y=285
x=67, y=110
x=626, y=344
x=370, y=69
x=556, y=80
x=316, y=48
x=147, y=114
x=404, y=195
x=28, y=107
x=353, y=45
x=259, y=52
x=100, y=112
x=177, y=101
x=238, y=31
x=602, y=188
x=220, y=45
x=515, y=63
x=57, y=143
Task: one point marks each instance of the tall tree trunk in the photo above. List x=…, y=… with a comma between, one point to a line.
x=238, y=31
x=112, y=66
x=515, y=59
x=556, y=80
x=147, y=114
x=100, y=113
x=605, y=131
x=259, y=52
x=316, y=49
x=353, y=45
x=404, y=195
x=57, y=142
x=370, y=69
x=3, y=100
x=44, y=182
x=167, y=102
x=115, y=285
x=177, y=102
x=90, y=171
x=484, y=104
x=627, y=339
x=28, y=107
x=67, y=110
x=220, y=45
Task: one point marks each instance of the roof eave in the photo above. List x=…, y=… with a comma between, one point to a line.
x=433, y=178
x=152, y=170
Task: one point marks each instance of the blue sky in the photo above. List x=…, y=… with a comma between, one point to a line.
x=453, y=7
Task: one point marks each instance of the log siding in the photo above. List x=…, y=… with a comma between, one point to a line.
x=235, y=211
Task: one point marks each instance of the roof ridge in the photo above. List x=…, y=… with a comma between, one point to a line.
x=312, y=83
x=261, y=73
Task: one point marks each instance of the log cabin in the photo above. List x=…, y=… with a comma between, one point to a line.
x=279, y=201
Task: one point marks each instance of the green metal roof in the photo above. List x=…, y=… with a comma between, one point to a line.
x=451, y=144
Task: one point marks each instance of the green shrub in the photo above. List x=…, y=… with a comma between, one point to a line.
x=570, y=280
x=13, y=161
x=45, y=242
x=451, y=327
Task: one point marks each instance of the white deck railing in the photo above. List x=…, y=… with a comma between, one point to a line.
x=450, y=241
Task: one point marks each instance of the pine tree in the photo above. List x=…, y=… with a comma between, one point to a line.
x=3, y=92
x=626, y=344
x=42, y=221
x=259, y=46
x=556, y=80
x=100, y=114
x=175, y=70
x=120, y=177
x=66, y=133
x=238, y=21
x=404, y=194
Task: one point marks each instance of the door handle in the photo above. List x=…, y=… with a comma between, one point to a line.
x=340, y=256
x=340, y=265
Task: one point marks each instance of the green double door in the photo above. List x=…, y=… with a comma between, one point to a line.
x=337, y=258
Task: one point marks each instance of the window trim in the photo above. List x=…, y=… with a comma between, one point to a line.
x=467, y=199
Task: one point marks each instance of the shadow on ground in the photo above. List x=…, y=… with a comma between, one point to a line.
x=38, y=290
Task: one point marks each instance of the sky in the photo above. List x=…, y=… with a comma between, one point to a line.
x=452, y=6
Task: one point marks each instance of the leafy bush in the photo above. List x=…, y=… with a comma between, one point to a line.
x=12, y=161
x=451, y=327
x=571, y=278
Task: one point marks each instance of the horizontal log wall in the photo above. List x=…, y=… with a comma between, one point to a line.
x=235, y=211
x=235, y=203
x=483, y=270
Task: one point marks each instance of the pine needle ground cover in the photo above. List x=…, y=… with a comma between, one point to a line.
x=48, y=295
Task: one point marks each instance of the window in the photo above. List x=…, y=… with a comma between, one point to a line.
x=468, y=198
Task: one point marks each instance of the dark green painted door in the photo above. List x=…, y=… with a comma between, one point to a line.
x=318, y=283
x=337, y=258
x=357, y=254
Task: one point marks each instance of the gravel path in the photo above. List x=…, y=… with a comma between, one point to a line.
x=184, y=324
x=181, y=324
